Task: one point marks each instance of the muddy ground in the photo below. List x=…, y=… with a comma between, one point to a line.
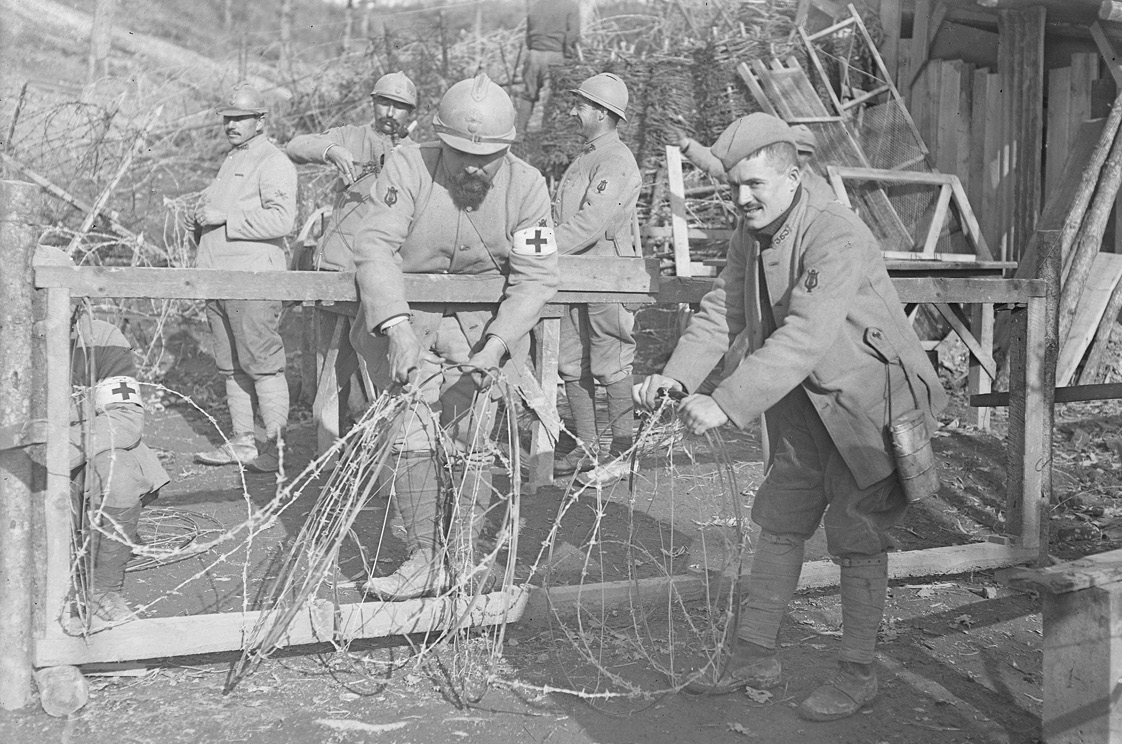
x=959, y=657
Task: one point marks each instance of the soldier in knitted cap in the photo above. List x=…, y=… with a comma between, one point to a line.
x=813, y=333
x=805, y=143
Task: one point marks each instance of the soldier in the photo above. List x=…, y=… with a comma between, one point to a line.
x=358, y=153
x=812, y=333
x=108, y=460
x=463, y=205
x=805, y=142
x=552, y=36
x=594, y=209
x=239, y=225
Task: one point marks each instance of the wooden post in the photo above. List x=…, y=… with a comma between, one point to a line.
x=1082, y=646
x=543, y=439
x=1032, y=378
x=17, y=241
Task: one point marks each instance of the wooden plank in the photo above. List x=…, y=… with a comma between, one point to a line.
x=561, y=601
x=578, y=274
x=678, y=222
x=975, y=179
x=57, y=507
x=1106, y=49
x=382, y=619
x=1099, y=569
x=545, y=433
x=890, y=21
x=326, y=406
x=1106, y=273
x=970, y=222
x=1093, y=371
x=921, y=37
x=1071, y=394
x=967, y=290
x=695, y=233
x=1059, y=128
x=153, y=638
x=892, y=176
x=994, y=172
x=753, y=84
x=1081, y=667
x=949, y=87
x=978, y=352
x=979, y=381
x=938, y=220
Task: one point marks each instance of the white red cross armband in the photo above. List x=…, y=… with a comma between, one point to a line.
x=116, y=391
x=534, y=241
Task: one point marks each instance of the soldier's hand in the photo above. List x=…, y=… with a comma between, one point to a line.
x=344, y=162
x=646, y=393
x=405, y=353
x=485, y=363
x=700, y=413
x=188, y=222
x=205, y=216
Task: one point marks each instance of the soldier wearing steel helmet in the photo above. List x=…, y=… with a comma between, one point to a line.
x=357, y=153
x=594, y=209
x=461, y=205
x=240, y=224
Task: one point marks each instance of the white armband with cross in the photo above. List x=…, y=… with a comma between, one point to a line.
x=116, y=391
x=533, y=241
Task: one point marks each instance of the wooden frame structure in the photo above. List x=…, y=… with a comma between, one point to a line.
x=319, y=621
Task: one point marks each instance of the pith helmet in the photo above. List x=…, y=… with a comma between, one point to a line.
x=476, y=116
x=244, y=100
x=607, y=90
x=396, y=86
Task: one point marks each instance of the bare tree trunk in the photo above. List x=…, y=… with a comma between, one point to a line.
x=587, y=17
x=348, y=24
x=367, y=11
x=101, y=40
x=286, y=15
x=478, y=38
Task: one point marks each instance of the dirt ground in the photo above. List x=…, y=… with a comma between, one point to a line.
x=959, y=657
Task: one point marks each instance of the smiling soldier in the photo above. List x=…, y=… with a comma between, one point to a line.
x=813, y=333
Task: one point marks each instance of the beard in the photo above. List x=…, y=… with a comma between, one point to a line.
x=468, y=190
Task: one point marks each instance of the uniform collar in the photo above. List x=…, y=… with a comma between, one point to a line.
x=768, y=231
x=246, y=146
x=602, y=140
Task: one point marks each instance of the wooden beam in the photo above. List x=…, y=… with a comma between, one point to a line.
x=1098, y=569
x=977, y=351
x=1070, y=394
x=1106, y=49
x=1060, y=132
x=545, y=433
x=678, y=222
x=890, y=21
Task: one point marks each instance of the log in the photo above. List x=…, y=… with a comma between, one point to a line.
x=17, y=241
x=1090, y=236
x=1092, y=369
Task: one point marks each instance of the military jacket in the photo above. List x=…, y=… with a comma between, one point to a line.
x=413, y=227
x=594, y=207
x=369, y=147
x=834, y=306
x=256, y=188
x=100, y=352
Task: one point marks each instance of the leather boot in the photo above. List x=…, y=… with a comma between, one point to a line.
x=745, y=665
x=851, y=689
x=111, y=553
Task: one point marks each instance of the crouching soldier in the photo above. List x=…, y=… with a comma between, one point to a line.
x=108, y=461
